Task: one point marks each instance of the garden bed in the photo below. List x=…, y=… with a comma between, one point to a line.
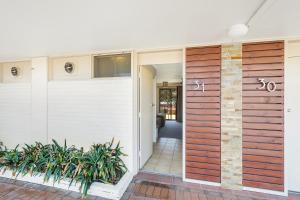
x=100, y=171
x=108, y=191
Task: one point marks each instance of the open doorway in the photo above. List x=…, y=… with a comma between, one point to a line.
x=161, y=118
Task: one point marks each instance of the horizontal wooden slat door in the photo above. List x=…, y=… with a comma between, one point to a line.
x=203, y=66
x=263, y=115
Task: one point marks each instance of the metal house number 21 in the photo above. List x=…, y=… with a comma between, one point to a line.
x=198, y=85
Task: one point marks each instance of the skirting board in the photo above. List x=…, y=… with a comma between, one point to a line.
x=202, y=182
x=108, y=191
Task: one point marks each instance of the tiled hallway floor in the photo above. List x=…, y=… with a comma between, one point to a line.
x=166, y=157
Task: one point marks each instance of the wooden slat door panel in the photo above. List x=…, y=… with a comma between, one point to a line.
x=203, y=121
x=263, y=116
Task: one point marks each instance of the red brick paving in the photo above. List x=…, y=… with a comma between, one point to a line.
x=19, y=190
x=143, y=187
x=151, y=186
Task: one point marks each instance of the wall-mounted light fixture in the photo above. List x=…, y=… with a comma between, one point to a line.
x=69, y=67
x=238, y=30
x=14, y=71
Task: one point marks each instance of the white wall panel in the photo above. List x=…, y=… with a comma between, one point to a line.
x=292, y=111
x=91, y=111
x=24, y=70
x=39, y=85
x=15, y=114
x=82, y=68
x=162, y=57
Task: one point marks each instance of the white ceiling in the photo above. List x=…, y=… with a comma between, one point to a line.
x=171, y=73
x=51, y=27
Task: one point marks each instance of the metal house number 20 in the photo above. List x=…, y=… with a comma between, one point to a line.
x=198, y=85
x=270, y=85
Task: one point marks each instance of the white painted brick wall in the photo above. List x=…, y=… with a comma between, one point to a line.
x=15, y=114
x=91, y=111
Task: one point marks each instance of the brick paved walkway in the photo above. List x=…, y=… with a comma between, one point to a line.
x=19, y=190
x=150, y=186
x=144, y=186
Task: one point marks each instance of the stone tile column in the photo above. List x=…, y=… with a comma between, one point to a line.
x=231, y=116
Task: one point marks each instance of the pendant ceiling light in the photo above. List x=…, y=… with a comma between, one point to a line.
x=238, y=30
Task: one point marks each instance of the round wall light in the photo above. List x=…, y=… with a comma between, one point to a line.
x=14, y=71
x=238, y=30
x=69, y=67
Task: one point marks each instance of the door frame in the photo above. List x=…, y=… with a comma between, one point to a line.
x=171, y=54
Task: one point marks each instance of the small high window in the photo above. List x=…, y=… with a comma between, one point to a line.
x=117, y=65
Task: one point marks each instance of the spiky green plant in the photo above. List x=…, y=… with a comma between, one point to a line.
x=60, y=158
x=11, y=159
x=34, y=160
x=102, y=163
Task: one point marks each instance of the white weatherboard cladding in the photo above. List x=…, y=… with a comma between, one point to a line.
x=15, y=114
x=91, y=111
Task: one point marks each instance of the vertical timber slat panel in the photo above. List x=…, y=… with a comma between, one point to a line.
x=203, y=114
x=263, y=115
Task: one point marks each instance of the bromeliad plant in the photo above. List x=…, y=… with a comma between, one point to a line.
x=102, y=163
x=11, y=158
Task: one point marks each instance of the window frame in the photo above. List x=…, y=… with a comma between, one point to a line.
x=130, y=53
